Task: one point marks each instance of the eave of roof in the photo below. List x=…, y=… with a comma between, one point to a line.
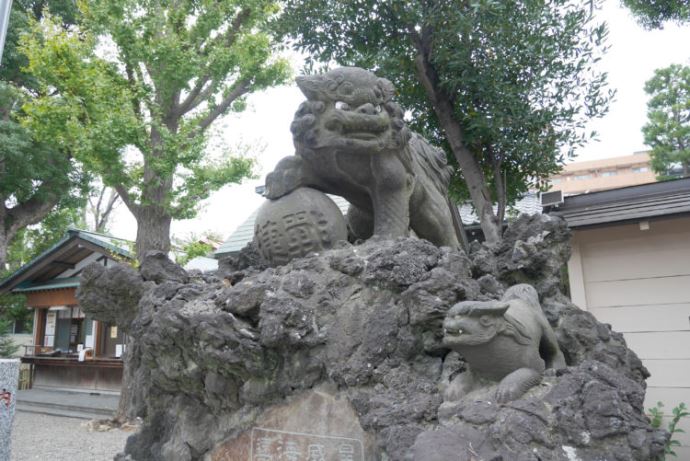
x=67, y=282
x=100, y=240
x=667, y=198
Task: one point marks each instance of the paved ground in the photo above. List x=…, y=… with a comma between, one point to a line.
x=82, y=399
x=55, y=438
x=66, y=403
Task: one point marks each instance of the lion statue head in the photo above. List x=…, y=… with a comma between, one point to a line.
x=348, y=109
x=471, y=323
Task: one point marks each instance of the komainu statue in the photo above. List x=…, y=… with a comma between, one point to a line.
x=350, y=140
x=507, y=341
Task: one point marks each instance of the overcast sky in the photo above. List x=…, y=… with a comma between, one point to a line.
x=633, y=55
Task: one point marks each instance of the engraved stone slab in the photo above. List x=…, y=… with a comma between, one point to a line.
x=9, y=377
x=319, y=425
x=270, y=444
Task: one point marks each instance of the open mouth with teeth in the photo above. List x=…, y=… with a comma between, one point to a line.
x=450, y=331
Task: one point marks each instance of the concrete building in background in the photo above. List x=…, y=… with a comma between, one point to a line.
x=604, y=174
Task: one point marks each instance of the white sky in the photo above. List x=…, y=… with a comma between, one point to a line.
x=633, y=55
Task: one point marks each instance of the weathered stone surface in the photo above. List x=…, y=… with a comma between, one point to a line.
x=534, y=250
x=365, y=321
x=158, y=268
x=586, y=412
x=111, y=294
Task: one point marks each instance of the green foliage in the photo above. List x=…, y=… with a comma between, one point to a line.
x=34, y=240
x=667, y=131
x=36, y=175
x=656, y=415
x=192, y=250
x=13, y=61
x=653, y=14
x=188, y=248
x=519, y=75
x=28, y=163
x=137, y=85
x=7, y=347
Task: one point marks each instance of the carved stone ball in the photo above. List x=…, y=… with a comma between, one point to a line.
x=299, y=223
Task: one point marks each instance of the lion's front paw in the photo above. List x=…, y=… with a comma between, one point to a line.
x=516, y=384
x=286, y=177
x=508, y=392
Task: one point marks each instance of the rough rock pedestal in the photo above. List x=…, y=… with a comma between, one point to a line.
x=9, y=378
x=342, y=353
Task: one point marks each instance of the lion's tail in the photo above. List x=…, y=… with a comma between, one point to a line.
x=432, y=160
x=434, y=164
x=523, y=292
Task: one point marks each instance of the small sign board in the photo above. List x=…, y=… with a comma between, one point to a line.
x=276, y=445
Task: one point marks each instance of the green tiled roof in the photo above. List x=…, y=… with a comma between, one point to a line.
x=67, y=282
x=113, y=244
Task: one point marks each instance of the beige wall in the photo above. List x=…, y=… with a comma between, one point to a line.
x=572, y=185
x=603, y=174
x=639, y=282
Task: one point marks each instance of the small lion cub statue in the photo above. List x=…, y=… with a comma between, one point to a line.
x=508, y=342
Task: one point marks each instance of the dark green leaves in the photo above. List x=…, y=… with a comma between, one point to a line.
x=520, y=74
x=653, y=14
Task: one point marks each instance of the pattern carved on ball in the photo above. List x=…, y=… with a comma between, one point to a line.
x=303, y=222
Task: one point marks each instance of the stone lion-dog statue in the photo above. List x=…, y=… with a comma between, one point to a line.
x=350, y=140
x=508, y=342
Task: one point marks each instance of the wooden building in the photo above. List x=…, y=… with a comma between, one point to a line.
x=69, y=350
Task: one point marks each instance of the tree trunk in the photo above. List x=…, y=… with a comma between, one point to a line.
x=471, y=171
x=4, y=243
x=153, y=230
x=131, y=404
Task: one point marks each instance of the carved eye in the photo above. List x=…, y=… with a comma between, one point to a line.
x=340, y=105
x=485, y=320
x=346, y=89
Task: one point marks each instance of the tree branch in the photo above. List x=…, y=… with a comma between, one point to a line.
x=102, y=219
x=31, y=211
x=136, y=104
x=194, y=98
x=240, y=89
x=127, y=199
x=443, y=107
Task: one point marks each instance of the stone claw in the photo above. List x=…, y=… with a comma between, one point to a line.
x=285, y=178
x=506, y=393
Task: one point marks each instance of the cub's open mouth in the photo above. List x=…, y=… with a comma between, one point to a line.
x=452, y=331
